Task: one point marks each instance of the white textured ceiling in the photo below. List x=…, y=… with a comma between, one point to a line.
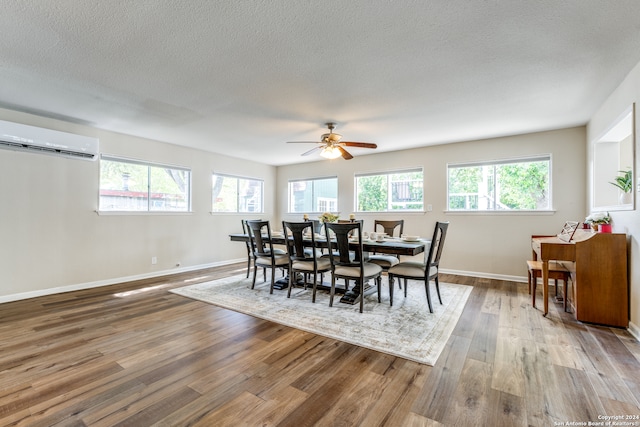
x=242, y=77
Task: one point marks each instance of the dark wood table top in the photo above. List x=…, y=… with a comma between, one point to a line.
x=388, y=246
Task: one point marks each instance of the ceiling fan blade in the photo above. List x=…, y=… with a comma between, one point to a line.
x=303, y=142
x=345, y=154
x=306, y=153
x=359, y=144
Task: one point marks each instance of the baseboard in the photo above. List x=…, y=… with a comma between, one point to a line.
x=114, y=281
x=634, y=330
x=485, y=275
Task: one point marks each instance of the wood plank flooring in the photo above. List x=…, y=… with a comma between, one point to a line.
x=134, y=354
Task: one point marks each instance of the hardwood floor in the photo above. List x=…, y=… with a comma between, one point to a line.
x=136, y=355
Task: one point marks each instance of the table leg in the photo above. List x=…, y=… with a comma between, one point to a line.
x=545, y=286
x=352, y=296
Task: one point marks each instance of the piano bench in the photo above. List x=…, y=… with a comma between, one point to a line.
x=556, y=272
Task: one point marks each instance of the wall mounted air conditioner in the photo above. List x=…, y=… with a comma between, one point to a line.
x=19, y=137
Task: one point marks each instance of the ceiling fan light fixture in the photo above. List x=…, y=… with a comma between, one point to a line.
x=330, y=152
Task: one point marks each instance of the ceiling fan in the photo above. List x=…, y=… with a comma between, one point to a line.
x=331, y=146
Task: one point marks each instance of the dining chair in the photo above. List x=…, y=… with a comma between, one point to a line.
x=264, y=254
x=300, y=259
x=389, y=227
x=347, y=259
x=422, y=271
x=245, y=230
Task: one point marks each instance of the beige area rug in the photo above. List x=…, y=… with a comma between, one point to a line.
x=406, y=330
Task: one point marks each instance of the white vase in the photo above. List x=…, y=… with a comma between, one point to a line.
x=625, y=198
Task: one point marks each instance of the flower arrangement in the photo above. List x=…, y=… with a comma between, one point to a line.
x=599, y=218
x=328, y=217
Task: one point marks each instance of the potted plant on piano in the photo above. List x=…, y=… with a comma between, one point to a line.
x=625, y=183
x=601, y=221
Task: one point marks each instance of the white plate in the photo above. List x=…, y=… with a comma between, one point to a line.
x=411, y=240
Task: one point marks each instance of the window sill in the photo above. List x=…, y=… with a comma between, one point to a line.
x=141, y=213
x=499, y=213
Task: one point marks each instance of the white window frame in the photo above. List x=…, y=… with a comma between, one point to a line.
x=238, y=201
x=496, y=197
x=390, y=202
x=148, y=165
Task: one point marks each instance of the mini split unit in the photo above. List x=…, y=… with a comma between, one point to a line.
x=18, y=137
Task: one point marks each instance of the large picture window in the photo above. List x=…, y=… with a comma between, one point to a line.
x=390, y=191
x=313, y=195
x=504, y=185
x=236, y=194
x=137, y=186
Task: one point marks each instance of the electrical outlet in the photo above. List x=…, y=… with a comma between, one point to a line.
x=154, y=260
x=429, y=208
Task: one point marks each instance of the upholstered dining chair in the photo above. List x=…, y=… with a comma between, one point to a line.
x=264, y=254
x=389, y=227
x=300, y=259
x=422, y=271
x=347, y=262
x=245, y=230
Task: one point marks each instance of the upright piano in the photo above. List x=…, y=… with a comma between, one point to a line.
x=598, y=266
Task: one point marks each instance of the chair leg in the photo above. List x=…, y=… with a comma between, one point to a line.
x=315, y=286
x=529, y=280
x=248, y=266
x=438, y=290
x=534, y=284
x=255, y=273
x=405, y=287
x=291, y=274
x=273, y=279
x=426, y=288
x=379, y=283
x=361, y=284
x=391, y=290
x=333, y=290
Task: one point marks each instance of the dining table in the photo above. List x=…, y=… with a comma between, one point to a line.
x=388, y=245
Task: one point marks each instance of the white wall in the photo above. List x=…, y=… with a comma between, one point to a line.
x=489, y=245
x=53, y=239
x=623, y=221
x=58, y=242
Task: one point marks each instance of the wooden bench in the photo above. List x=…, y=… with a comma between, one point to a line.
x=556, y=272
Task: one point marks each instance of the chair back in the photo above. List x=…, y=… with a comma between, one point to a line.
x=350, y=221
x=245, y=230
x=339, y=248
x=260, y=237
x=437, y=244
x=295, y=245
x=390, y=226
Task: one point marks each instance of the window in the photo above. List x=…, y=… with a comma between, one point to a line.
x=390, y=191
x=505, y=185
x=136, y=186
x=313, y=195
x=236, y=194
